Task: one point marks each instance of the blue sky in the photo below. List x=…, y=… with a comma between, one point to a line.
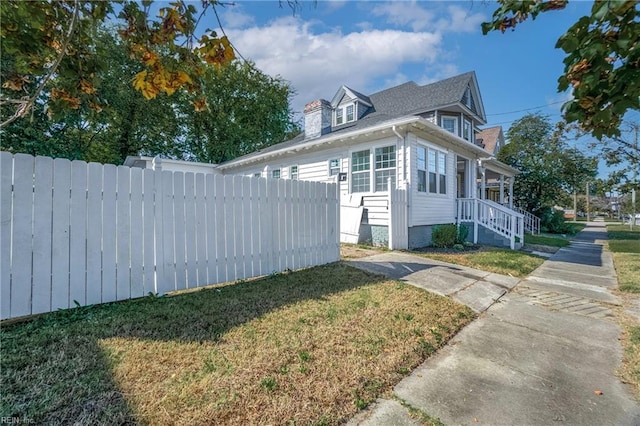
x=373, y=45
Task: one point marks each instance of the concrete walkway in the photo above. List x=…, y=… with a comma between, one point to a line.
x=545, y=354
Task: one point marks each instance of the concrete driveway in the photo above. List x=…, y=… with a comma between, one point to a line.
x=544, y=354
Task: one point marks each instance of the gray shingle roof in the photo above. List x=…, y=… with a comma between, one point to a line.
x=389, y=104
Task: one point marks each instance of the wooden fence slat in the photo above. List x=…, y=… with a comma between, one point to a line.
x=179, y=231
x=201, y=230
x=220, y=229
x=247, y=231
x=137, y=233
x=21, y=244
x=229, y=229
x=150, y=214
x=42, y=210
x=60, y=234
x=238, y=219
x=6, y=201
x=78, y=234
x=94, y=233
x=167, y=236
x=123, y=234
x=109, y=185
x=255, y=226
x=265, y=226
x=190, y=230
x=295, y=224
x=212, y=234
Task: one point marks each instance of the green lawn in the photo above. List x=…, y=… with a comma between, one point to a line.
x=306, y=347
x=547, y=240
x=500, y=261
x=625, y=246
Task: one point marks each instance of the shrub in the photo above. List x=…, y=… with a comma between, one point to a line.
x=458, y=247
x=552, y=221
x=444, y=235
x=463, y=232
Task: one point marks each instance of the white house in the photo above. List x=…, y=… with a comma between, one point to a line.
x=406, y=158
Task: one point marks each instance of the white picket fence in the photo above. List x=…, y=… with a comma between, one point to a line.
x=89, y=233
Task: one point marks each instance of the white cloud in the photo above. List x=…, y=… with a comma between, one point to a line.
x=317, y=64
x=233, y=16
x=416, y=16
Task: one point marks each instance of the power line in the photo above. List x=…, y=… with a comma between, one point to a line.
x=527, y=109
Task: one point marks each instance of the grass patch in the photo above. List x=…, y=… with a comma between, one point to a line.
x=500, y=261
x=312, y=346
x=625, y=247
x=545, y=240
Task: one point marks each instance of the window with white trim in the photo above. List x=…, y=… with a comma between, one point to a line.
x=345, y=114
x=349, y=113
x=334, y=167
x=432, y=171
x=385, y=167
x=422, y=169
x=450, y=124
x=293, y=172
x=275, y=173
x=466, y=130
x=361, y=171
x=257, y=174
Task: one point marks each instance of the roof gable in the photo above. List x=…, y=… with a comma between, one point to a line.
x=351, y=94
x=492, y=138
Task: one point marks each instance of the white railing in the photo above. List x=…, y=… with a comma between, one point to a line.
x=531, y=222
x=493, y=216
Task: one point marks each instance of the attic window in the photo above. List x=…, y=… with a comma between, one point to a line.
x=468, y=100
x=345, y=114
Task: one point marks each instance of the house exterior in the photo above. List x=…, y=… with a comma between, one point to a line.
x=406, y=158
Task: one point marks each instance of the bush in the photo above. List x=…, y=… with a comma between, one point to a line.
x=458, y=247
x=552, y=221
x=463, y=232
x=444, y=235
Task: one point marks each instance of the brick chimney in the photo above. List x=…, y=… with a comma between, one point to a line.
x=317, y=118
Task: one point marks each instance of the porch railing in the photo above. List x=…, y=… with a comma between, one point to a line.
x=493, y=216
x=531, y=222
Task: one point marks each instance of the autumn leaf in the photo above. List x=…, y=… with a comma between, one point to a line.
x=87, y=87
x=200, y=105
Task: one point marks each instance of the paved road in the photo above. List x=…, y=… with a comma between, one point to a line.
x=545, y=354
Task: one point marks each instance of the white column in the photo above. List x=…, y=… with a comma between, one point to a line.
x=502, y=189
x=483, y=183
x=511, y=180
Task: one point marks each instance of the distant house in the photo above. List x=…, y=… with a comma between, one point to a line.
x=492, y=140
x=412, y=152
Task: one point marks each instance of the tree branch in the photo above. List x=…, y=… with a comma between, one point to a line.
x=26, y=104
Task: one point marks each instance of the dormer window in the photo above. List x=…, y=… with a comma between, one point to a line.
x=345, y=114
x=450, y=124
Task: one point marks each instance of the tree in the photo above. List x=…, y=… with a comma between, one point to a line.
x=49, y=44
x=548, y=167
x=248, y=111
x=602, y=66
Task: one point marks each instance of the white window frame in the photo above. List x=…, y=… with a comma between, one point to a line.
x=384, y=169
x=372, y=168
x=294, y=175
x=455, y=123
x=341, y=111
x=274, y=172
x=333, y=171
x=440, y=189
x=359, y=172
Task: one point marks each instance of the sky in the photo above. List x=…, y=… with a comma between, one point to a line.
x=373, y=45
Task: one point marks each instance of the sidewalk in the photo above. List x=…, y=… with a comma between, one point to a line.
x=545, y=354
